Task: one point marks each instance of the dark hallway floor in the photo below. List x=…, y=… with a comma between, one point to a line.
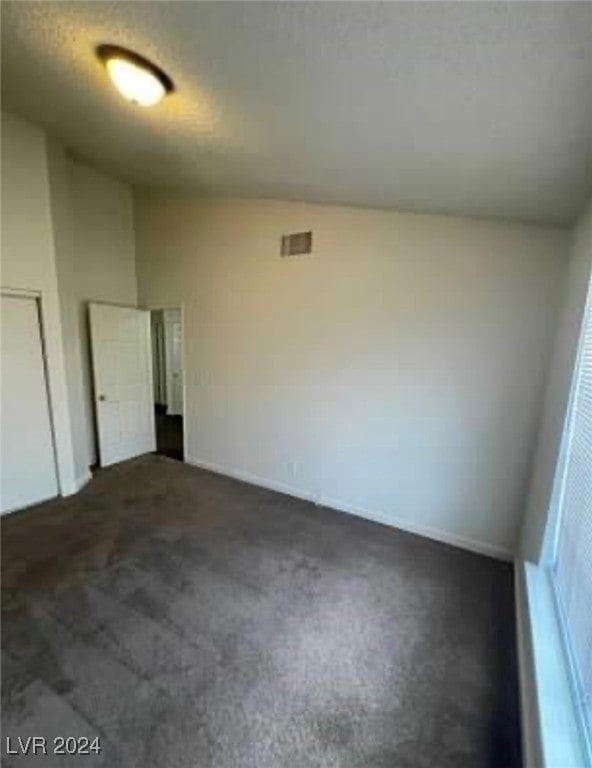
x=189, y=620
x=169, y=435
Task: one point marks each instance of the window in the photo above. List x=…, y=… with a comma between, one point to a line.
x=572, y=568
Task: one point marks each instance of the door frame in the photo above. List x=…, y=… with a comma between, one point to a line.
x=181, y=307
x=36, y=296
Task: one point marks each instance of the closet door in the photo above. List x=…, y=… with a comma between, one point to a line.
x=27, y=461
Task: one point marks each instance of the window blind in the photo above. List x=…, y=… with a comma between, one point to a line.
x=573, y=561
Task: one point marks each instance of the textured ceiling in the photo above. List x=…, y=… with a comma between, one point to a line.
x=482, y=109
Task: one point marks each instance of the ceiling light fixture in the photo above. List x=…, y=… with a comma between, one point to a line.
x=137, y=79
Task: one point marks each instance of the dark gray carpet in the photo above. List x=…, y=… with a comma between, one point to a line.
x=190, y=620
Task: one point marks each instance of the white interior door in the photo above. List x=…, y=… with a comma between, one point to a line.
x=27, y=459
x=174, y=361
x=122, y=369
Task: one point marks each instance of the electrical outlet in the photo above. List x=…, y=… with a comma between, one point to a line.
x=294, y=468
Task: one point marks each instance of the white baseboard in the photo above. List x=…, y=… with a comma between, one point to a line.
x=84, y=479
x=482, y=548
x=77, y=485
x=65, y=490
x=247, y=477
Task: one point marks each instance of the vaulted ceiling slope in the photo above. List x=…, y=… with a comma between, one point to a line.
x=481, y=109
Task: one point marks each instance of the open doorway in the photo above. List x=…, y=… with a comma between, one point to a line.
x=167, y=356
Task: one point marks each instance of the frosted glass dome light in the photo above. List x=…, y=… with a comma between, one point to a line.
x=136, y=78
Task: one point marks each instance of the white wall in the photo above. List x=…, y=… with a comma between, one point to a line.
x=28, y=262
x=61, y=209
x=558, y=387
x=397, y=371
x=406, y=347
x=67, y=231
x=99, y=266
